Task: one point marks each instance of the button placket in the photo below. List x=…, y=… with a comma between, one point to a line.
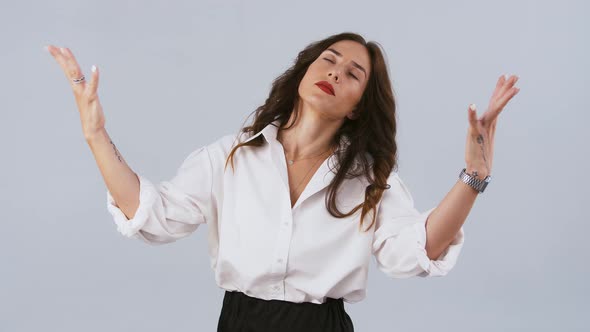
x=283, y=239
x=284, y=235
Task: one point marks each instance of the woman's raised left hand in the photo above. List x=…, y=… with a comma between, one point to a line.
x=479, y=149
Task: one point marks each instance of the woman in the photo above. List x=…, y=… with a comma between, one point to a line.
x=312, y=192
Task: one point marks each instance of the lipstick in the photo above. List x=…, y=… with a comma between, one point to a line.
x=326, y=87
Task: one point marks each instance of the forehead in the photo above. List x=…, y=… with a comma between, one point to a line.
x=351, y=50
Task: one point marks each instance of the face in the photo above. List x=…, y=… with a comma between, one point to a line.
x=345, y=65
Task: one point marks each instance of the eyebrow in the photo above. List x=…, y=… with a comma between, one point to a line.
x=353, y=62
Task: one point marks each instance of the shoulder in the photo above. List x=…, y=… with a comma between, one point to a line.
x=223, y=143
x=398, y=190
x=220, y=148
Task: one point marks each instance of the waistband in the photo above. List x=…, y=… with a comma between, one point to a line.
x=234, y=296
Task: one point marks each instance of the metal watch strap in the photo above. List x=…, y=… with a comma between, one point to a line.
x=477, y=184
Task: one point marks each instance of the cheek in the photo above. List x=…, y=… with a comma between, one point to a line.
x=305, y=86
x=306, y=81
x=353, y=94
x=312, y=70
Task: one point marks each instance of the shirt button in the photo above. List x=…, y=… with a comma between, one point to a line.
x=286, y=223
x=280, y=260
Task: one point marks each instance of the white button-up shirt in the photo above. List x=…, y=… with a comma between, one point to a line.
x=261, y=246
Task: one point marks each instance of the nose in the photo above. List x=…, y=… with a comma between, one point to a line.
x=335, y=76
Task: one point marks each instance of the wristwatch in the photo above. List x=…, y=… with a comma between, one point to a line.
x=472, y=180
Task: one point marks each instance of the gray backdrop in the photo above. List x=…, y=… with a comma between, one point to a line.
x=64, y=266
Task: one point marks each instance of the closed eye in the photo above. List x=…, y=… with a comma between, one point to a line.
x=349, y=73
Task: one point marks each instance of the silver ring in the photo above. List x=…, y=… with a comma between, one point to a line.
x=79, y=80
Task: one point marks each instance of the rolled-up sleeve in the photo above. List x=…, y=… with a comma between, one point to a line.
x=174, y=208
x=399, y=243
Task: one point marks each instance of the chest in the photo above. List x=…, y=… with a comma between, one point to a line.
x=299, y=174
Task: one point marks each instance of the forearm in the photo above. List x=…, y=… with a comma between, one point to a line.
x=448, y=217
x=121, y=181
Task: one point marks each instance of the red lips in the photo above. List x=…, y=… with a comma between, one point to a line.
x=325, y=86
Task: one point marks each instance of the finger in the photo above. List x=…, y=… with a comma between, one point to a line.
x=507, y=96
x=500, y=99
x=490, y=116
x=499, y=85
x=93, y=83
x=72, y=69
x=472, y=116
x=62, y=60
x=56, y=53
x=507, y=85
x=476, y=125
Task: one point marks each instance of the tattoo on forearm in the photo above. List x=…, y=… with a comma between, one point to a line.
x=116, y=151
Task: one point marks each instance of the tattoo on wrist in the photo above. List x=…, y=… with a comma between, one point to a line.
x=116, y=152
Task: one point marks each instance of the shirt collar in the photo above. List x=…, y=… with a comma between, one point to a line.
x=325, y=172
x=270, y=134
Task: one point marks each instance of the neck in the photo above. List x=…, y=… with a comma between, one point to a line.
x=310, y=136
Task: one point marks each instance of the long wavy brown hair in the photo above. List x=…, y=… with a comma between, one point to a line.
x=371, y=134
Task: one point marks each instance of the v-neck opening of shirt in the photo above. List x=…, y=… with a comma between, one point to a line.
x=270, y=135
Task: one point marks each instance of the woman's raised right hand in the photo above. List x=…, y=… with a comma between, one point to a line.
x=85, y=93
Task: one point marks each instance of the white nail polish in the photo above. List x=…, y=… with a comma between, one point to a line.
x=62, y=50
x=472, y=107
x=93, y=68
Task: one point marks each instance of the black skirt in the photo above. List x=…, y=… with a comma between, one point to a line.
x=243, y=313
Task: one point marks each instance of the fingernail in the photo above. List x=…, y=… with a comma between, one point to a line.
x=506, y=76
x=93, y=68
x=472, y=107
x=62, y=50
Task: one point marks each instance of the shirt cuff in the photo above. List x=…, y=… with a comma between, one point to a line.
x=131, y=227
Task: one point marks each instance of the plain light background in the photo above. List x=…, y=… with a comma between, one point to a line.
x=177, y=75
